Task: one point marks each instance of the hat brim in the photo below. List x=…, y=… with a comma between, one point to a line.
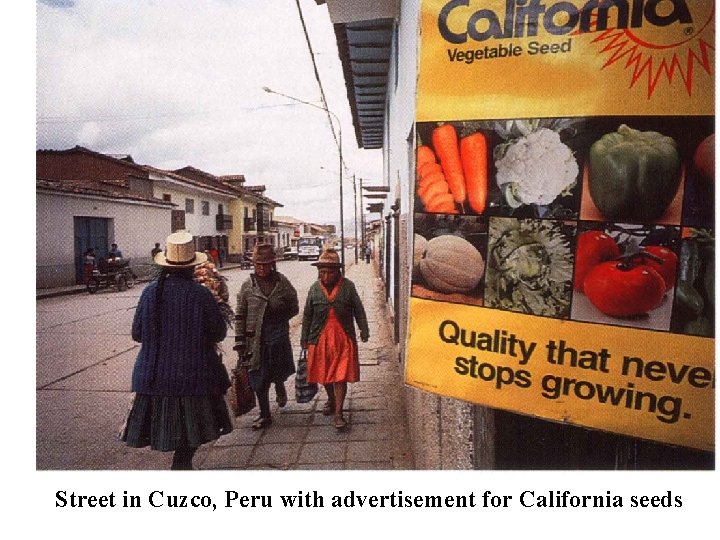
x=325, y=264
x=161, y=260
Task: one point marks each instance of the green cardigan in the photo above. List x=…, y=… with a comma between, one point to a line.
x=251, y=303
x=347, y=306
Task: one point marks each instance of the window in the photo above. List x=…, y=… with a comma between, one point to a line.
x=190, y=206
x=167, y=197
x=205, y=208
x=245, y=211
x=220, y=209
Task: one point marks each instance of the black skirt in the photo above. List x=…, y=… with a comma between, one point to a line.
x=169, y=423
x=276, y=363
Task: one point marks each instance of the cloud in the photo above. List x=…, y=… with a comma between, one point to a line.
x=59, y=3
x=179, y=82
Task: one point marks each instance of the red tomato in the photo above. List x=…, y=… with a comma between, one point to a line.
x=593, y=247
x=667, y=268
x=704, y=157
x=622, y=289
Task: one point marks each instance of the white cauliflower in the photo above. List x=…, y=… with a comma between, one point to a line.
x=536, y=169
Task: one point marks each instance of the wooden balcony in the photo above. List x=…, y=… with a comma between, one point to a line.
x=223, y=222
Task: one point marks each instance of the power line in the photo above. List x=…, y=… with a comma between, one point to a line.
x=317, y=74
x=137, y=118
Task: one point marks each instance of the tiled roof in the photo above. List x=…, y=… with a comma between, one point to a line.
x=288, y=219
x=227, y=190
x=227, y=181
x=83, y=189
x=124, y=159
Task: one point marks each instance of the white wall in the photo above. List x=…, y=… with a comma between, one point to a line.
x=195, y=223
x=135, y=227
x=400, y=120
x=441, y=429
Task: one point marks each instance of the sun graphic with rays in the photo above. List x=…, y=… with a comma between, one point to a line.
x=674, y=54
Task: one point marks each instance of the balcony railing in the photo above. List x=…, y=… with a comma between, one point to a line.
x=249, y=224
x=223, y=222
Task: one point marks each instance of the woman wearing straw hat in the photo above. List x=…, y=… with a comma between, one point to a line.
x=328, y=333
x=265, y=304
x=178, y=378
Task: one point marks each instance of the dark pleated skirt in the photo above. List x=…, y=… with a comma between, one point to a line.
x=277, y=363
x=168, y=423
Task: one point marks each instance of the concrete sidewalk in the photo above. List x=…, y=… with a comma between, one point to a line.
x=302, y=438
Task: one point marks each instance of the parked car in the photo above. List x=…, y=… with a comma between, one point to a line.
x=290, y=252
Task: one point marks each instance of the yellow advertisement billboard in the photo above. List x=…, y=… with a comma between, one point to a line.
x=512, y=59
x=563, y=246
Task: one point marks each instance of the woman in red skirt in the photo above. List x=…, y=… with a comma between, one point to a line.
x=328, y=333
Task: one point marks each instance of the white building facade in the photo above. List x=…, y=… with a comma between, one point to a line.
x=62, y=217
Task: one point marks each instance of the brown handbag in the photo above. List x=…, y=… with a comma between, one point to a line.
x=242, y=397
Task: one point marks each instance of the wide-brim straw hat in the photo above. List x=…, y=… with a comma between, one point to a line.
x=328, y=259
x=263, y=254
x=179, y=252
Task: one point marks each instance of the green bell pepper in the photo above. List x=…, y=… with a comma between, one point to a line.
x=633, y=175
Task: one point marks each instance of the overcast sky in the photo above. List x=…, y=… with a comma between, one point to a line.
x=179, y=82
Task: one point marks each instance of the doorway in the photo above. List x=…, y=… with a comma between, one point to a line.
x=89, y=232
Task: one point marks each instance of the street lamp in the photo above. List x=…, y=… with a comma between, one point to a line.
x=332, y=114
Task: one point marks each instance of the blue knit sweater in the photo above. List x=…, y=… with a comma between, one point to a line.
x=178, y=356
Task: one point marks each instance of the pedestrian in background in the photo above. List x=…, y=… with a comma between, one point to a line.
x=368, y=253
x=265, y=304
x=215, y=255
x=114, y=252
x=178, y=378
x=88, y=264
x=328, y=333
x=154, y=251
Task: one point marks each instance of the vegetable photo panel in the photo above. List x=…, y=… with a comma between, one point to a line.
x=451, y=170
x=694, y=309
x=699, y=203
x=535, y=167
x=529, y=266
x=449, y=258
x=637, y=170
x=625, y=274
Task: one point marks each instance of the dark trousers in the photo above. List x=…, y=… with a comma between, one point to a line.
x=263, y=397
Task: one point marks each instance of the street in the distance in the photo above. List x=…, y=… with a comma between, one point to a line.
x=85, y=357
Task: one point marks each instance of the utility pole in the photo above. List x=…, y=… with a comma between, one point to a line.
x=362, y=218
x=356, y=219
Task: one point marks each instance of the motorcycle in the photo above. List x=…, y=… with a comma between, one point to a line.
x=112, y=273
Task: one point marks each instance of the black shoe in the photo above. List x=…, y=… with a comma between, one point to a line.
x=281, y=395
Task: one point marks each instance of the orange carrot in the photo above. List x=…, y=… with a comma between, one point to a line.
x=442, y=203
x=445, y=142
x=430, y=178
x=425, y=155
x=473, y=153
x=428, y=168
x=426, y=192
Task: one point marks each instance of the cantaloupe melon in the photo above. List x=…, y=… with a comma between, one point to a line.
x=451, y=264
x=419, y=247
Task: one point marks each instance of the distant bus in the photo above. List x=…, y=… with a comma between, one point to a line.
x=310, y=247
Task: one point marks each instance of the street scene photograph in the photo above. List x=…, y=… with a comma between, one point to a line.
x=369, y=260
